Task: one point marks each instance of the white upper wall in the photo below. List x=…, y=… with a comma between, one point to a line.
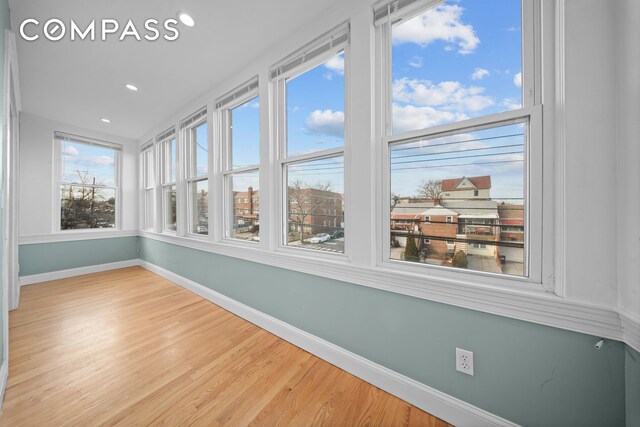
x=36, y=175
x=628, y=155
x=590, y=177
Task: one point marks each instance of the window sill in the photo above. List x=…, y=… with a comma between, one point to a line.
x=71, y=235
x=535, y=306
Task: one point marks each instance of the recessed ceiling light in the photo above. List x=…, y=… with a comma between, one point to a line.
x=186, y=19
x=131, y=87
x=105, y=120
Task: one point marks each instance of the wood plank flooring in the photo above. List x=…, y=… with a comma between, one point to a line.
x=127, y=347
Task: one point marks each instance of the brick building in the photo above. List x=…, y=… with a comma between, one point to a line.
x=246, y=207
x=315, y=211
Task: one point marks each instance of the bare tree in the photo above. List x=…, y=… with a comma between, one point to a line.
x=395, y=199
x=430, y=189
x=84, y=203
x=306, y=201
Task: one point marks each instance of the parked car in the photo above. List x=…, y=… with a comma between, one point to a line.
x=202, y=229
x=338, y=233
x=319, y=238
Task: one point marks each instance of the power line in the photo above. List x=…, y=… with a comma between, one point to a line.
x=456, y=157
x=404, y=169
x=459, y=151
x=455, y=142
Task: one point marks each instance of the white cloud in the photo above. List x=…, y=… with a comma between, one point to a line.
x=410, y=117
x=255, y=104
x=328, y=76
x=443, y=23
x=480, y=73
x=336, y=64
x=511, y=104
x=449, y=96
x=513, y=29
x=416, y=62
x=517, y=79
x=100, y=160
x=326, y=122
x=70, y=150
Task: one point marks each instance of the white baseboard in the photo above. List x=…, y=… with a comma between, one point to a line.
x=4, y=376
x=63, y=274
x=439, y=404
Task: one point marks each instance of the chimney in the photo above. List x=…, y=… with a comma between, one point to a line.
x=436, y=201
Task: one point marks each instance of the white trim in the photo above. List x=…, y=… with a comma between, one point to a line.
x=72, y=272
x=555, y=128
x=74, y=235
x=529, y=305
x=435, y=402
x=630, y=329
x=4, y=377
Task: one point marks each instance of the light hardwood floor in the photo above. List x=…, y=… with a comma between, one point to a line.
x=127, y=347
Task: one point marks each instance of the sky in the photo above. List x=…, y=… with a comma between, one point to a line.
x=459, y=60
x=97, y=162
x=462, y=59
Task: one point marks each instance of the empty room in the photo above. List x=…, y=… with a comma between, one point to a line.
x=320, y=213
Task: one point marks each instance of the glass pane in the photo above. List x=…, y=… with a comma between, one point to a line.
x=148, y=209
x=245, y=134
x=315, y=108
x=172, y=161
x=88, y=164
x=169, y=203
x=87, y=207
x=200, y=207
x=458, y=60
x=245, y=223
x=200, y=150
x=316, y=204
x=459, y=200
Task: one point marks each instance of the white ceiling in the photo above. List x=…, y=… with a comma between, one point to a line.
x=79, y=82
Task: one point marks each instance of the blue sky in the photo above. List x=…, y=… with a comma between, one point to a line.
x=200, y=134
x=459, y=60
x=245, y=134
x=97, y=162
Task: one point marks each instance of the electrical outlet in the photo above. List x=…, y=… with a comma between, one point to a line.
x=464, y=361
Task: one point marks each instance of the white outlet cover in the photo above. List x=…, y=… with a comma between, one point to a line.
x=464, y=361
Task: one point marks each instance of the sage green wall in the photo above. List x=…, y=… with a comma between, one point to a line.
x=4, y=24
x=632, y=386
x=527, y=373
x=47, y=257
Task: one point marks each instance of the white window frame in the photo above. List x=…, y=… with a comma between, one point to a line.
x=224, y=106
x=147, y=184
x=187, y=126
x=163, y=152
x=283, y=160
x=531, y=110
x=58, y=181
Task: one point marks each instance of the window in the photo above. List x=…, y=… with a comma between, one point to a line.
x=88, y=182
x=310, y=88
x=240, y=120
x=195, y=134
x=167, y=151
x=462, y=135
x=148, y=182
